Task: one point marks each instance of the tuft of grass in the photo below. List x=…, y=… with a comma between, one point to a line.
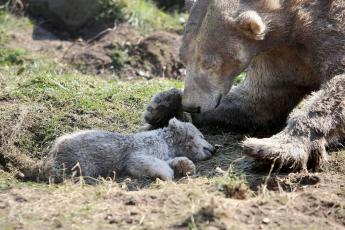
x=142, y=14
x=145, y=14
x=112, y=10
x=119, y=57
x=233, y=186
x=10, y=57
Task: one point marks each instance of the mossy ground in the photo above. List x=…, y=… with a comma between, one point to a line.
x=40, y=99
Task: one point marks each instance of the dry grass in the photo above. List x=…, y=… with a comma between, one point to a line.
x=190, y=203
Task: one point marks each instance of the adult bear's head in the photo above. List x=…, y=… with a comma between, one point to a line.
x=221, y=38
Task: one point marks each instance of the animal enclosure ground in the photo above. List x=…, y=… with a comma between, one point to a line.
x=42, y=97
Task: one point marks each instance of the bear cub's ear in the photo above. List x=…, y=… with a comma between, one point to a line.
x=252, y=25
x=175, y=124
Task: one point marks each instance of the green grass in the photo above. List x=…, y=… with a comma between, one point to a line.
x=10, y=21
x=119, y=57
x=233, y=186
x=11, y=56
x=142, y=14
x=112, y=10
x=63, y=102
x=58, y=100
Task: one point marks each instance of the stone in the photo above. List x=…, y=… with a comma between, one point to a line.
x=266, y=221
x=68, y=14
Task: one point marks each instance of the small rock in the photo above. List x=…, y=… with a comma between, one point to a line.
x=266, y=221
x=20, y=199
x=57, y=223
x=3, y=205
x=143, y=74
x=69, y=14
x=130, y=202
x=133, y=213
x=110, y=219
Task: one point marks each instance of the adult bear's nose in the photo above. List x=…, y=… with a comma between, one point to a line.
x=191, y=109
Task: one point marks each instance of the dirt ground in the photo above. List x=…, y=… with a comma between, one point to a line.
x=215, y=198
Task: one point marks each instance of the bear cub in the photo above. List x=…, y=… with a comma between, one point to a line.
x=163, y=153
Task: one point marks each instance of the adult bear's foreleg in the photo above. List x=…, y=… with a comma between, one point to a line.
x=247, y=107
x=232, y=112
x=320, y=121
x=254, y=106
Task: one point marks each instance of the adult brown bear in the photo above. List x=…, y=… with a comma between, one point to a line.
x=294, y=54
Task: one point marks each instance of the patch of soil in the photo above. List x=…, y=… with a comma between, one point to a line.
x=126, y=54
x=292, y=182
x=120, y=51
x=159, y=54
x=38, y=40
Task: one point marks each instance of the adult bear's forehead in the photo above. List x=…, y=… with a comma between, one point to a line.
x=224, y=6
x=200, y=8
x=228, y=5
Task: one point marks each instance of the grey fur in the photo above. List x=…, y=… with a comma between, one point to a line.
x=290, y=49
x=189, y=4
x=153, y=154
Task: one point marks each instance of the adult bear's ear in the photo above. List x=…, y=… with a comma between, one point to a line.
x=252, y=25
x=189, y=4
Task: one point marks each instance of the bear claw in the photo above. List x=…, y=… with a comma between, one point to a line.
x=163, y=107
x=276, y=150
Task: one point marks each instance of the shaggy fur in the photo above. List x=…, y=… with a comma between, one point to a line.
x=320, y=121
x=290, y=49
x=155, y=154
x=162, y=105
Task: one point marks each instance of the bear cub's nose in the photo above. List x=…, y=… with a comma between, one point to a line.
x=209, y=150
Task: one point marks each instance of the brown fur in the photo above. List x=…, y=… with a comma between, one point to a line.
x=289, y=48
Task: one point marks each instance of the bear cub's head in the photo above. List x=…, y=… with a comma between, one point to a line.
x=189, y=141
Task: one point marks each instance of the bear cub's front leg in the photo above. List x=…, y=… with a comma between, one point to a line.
x=182, y=166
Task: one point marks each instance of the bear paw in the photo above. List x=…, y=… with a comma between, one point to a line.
x=163, y=107
x=183, y=166
x=276, y=149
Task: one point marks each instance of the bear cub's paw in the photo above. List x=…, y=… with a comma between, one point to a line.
x=183, y=166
